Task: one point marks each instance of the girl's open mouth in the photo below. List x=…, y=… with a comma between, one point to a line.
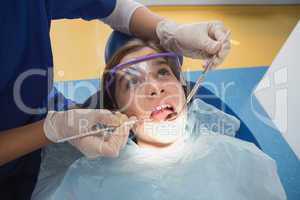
x=163, y=112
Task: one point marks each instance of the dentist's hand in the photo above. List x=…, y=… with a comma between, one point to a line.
x=63, y=124
x=199, y=40
x=96, y=145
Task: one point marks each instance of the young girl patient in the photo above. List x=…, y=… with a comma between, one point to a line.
x=174, y=152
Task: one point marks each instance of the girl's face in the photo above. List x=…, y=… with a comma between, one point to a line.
x=150, y=91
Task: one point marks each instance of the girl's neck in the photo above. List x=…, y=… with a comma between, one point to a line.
x=153, y=145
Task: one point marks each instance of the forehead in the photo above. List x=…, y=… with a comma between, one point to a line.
x=136, y=54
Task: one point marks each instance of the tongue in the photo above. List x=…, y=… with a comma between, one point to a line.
x=160, y=115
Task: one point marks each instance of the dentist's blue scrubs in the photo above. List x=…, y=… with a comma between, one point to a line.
x=25, y=48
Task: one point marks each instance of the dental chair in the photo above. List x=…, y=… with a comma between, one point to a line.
x=240, y=102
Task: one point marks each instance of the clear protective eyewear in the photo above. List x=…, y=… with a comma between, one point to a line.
x=135, y=72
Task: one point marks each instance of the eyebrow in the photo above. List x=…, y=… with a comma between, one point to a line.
x=157, y=60
x=160, y=60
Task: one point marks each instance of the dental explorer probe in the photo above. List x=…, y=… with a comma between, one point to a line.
x=207, y=66
x=100, y=129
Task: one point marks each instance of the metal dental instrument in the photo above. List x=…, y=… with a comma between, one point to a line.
x=99, y=129
x=207, y=66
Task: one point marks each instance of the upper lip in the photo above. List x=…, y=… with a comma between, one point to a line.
x=160, y=107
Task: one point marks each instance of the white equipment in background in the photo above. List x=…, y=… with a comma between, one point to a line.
x=279, y=91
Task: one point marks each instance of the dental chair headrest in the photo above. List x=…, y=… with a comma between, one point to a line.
x=115, y=41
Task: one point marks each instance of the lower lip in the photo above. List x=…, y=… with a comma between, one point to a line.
x=161, y=115
x=173, y=117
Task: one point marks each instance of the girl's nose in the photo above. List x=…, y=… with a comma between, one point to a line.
x=157, y=93
x=154, y=88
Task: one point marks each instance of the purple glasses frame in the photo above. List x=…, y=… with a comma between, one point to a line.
x=114, y=70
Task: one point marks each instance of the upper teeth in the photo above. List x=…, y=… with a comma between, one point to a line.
x=158, y=108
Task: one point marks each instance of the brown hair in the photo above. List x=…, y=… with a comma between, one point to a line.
x=129, y=47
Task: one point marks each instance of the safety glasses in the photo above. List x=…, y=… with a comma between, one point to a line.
x=138, y=70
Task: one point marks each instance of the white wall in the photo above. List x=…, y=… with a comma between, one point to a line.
x=216, y=2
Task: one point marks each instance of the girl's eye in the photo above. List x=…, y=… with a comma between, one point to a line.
x=132, y=82
x=163, y=72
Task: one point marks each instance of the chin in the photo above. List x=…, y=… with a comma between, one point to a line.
x=163, y=133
